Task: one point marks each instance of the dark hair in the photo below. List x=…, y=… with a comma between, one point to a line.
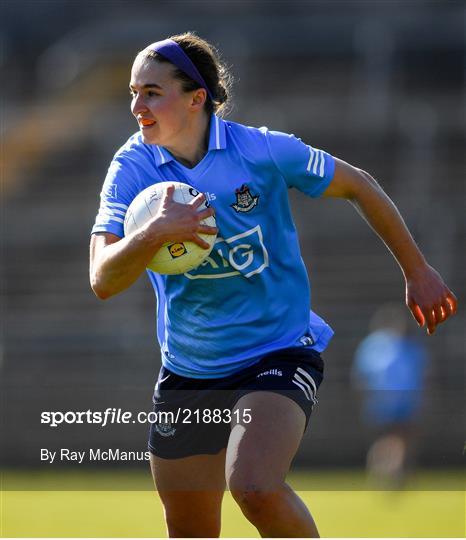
x=207, y=60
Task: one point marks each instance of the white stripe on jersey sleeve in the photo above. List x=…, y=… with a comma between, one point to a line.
x=107, y=214
x=317, y=162
x=321, y=170
x=311, y=157
x=111, y=211
x=116, y=205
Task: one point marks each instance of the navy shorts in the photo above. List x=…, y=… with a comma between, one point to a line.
x=194, y=416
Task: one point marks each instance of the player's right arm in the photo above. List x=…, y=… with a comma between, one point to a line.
x=116, y=263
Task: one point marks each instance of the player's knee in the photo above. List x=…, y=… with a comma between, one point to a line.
x=257, y=503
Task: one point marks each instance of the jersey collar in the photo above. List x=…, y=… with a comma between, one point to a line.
x=217, y=141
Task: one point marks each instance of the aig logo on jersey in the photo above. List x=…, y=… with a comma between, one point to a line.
x=245, y=202
x=243, y=254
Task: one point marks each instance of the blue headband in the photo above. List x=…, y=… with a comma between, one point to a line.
x=170, y=50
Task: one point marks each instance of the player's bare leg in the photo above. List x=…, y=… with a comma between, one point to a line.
x=258, y=458
x=191, y=490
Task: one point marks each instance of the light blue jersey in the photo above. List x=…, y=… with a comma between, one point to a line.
x=390, y=367
x=251, y=296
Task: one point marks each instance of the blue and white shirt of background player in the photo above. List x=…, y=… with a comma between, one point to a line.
x=252, y=294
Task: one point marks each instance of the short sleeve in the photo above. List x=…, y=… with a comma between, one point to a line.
x=306, y=168
x=116, y=196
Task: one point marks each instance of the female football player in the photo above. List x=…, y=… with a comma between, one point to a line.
x=240, y=349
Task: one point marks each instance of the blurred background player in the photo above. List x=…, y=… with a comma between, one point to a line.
x=389, y=369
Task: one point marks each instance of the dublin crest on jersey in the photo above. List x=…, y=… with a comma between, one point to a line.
x=245, y=202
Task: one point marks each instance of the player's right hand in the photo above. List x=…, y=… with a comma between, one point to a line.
x=430, y=301
x=176, y=222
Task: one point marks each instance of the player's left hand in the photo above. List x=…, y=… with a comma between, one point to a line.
x=430, y=301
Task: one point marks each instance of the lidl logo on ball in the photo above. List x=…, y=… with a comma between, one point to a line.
x=243, y=253
x=176, y=250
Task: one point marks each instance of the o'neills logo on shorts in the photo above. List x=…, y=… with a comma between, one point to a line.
x=276, y=372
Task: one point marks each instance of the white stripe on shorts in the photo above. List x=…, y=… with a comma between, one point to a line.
x=306, y=392
x=311, y=381
x=302, y=381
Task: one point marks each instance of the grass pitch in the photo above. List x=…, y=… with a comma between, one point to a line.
x=121, y=504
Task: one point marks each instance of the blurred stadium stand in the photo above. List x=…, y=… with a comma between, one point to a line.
x=378, y=86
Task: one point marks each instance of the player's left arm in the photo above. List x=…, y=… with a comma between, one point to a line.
x=431, y=302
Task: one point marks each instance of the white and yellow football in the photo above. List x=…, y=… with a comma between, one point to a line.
x=172, y=257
